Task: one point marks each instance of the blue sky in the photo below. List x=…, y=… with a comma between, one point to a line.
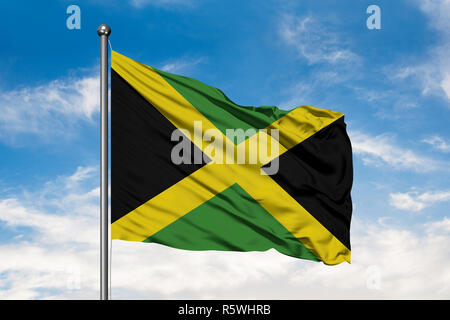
x=393, y=85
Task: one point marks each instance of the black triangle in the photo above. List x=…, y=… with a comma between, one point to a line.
x=141, y=166
x=318, y=174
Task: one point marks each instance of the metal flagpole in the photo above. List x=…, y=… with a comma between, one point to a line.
x=104, y=31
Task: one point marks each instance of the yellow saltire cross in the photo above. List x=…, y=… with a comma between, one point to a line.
x=213, y=178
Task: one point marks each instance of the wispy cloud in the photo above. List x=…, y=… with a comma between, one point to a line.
x=53, y=234
x=314, y=42
x=439, y=227
x=60, y=209
x=439, y=10
x=414, y=201
x=439, y=143
x=48, y=109
x=382, y=150
x=60, y=259
x=433, y=74
x=181, y=65
x=430, y=77
x=310, y=91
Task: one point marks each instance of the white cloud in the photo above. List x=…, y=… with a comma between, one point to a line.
x=310, y=91
x=433, y=74
x=445, y=84
x=438, y=143
x=60, y=259
x=49, y=109
x=314, y=42
x=61, y=209
x=388, y=262
x=81, y=174
x=414, y=201
x=432, y=197
x=381, y=150
x=431, y=77
x=439, y=12
x=405, y=201
x=439, y=227
x=181, y=65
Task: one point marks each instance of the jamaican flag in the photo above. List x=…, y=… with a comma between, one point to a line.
x=191, y=169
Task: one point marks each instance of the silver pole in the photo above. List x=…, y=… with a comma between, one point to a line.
x=104, y=31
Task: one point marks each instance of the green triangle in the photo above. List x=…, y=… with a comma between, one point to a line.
x=219, y=109
x=231, y=221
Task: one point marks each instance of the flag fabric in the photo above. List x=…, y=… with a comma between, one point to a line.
x=302, y=209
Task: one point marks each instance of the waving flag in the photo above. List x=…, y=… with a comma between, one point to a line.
x=284, y=184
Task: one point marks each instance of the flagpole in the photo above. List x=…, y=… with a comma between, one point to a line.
x=104, y=31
